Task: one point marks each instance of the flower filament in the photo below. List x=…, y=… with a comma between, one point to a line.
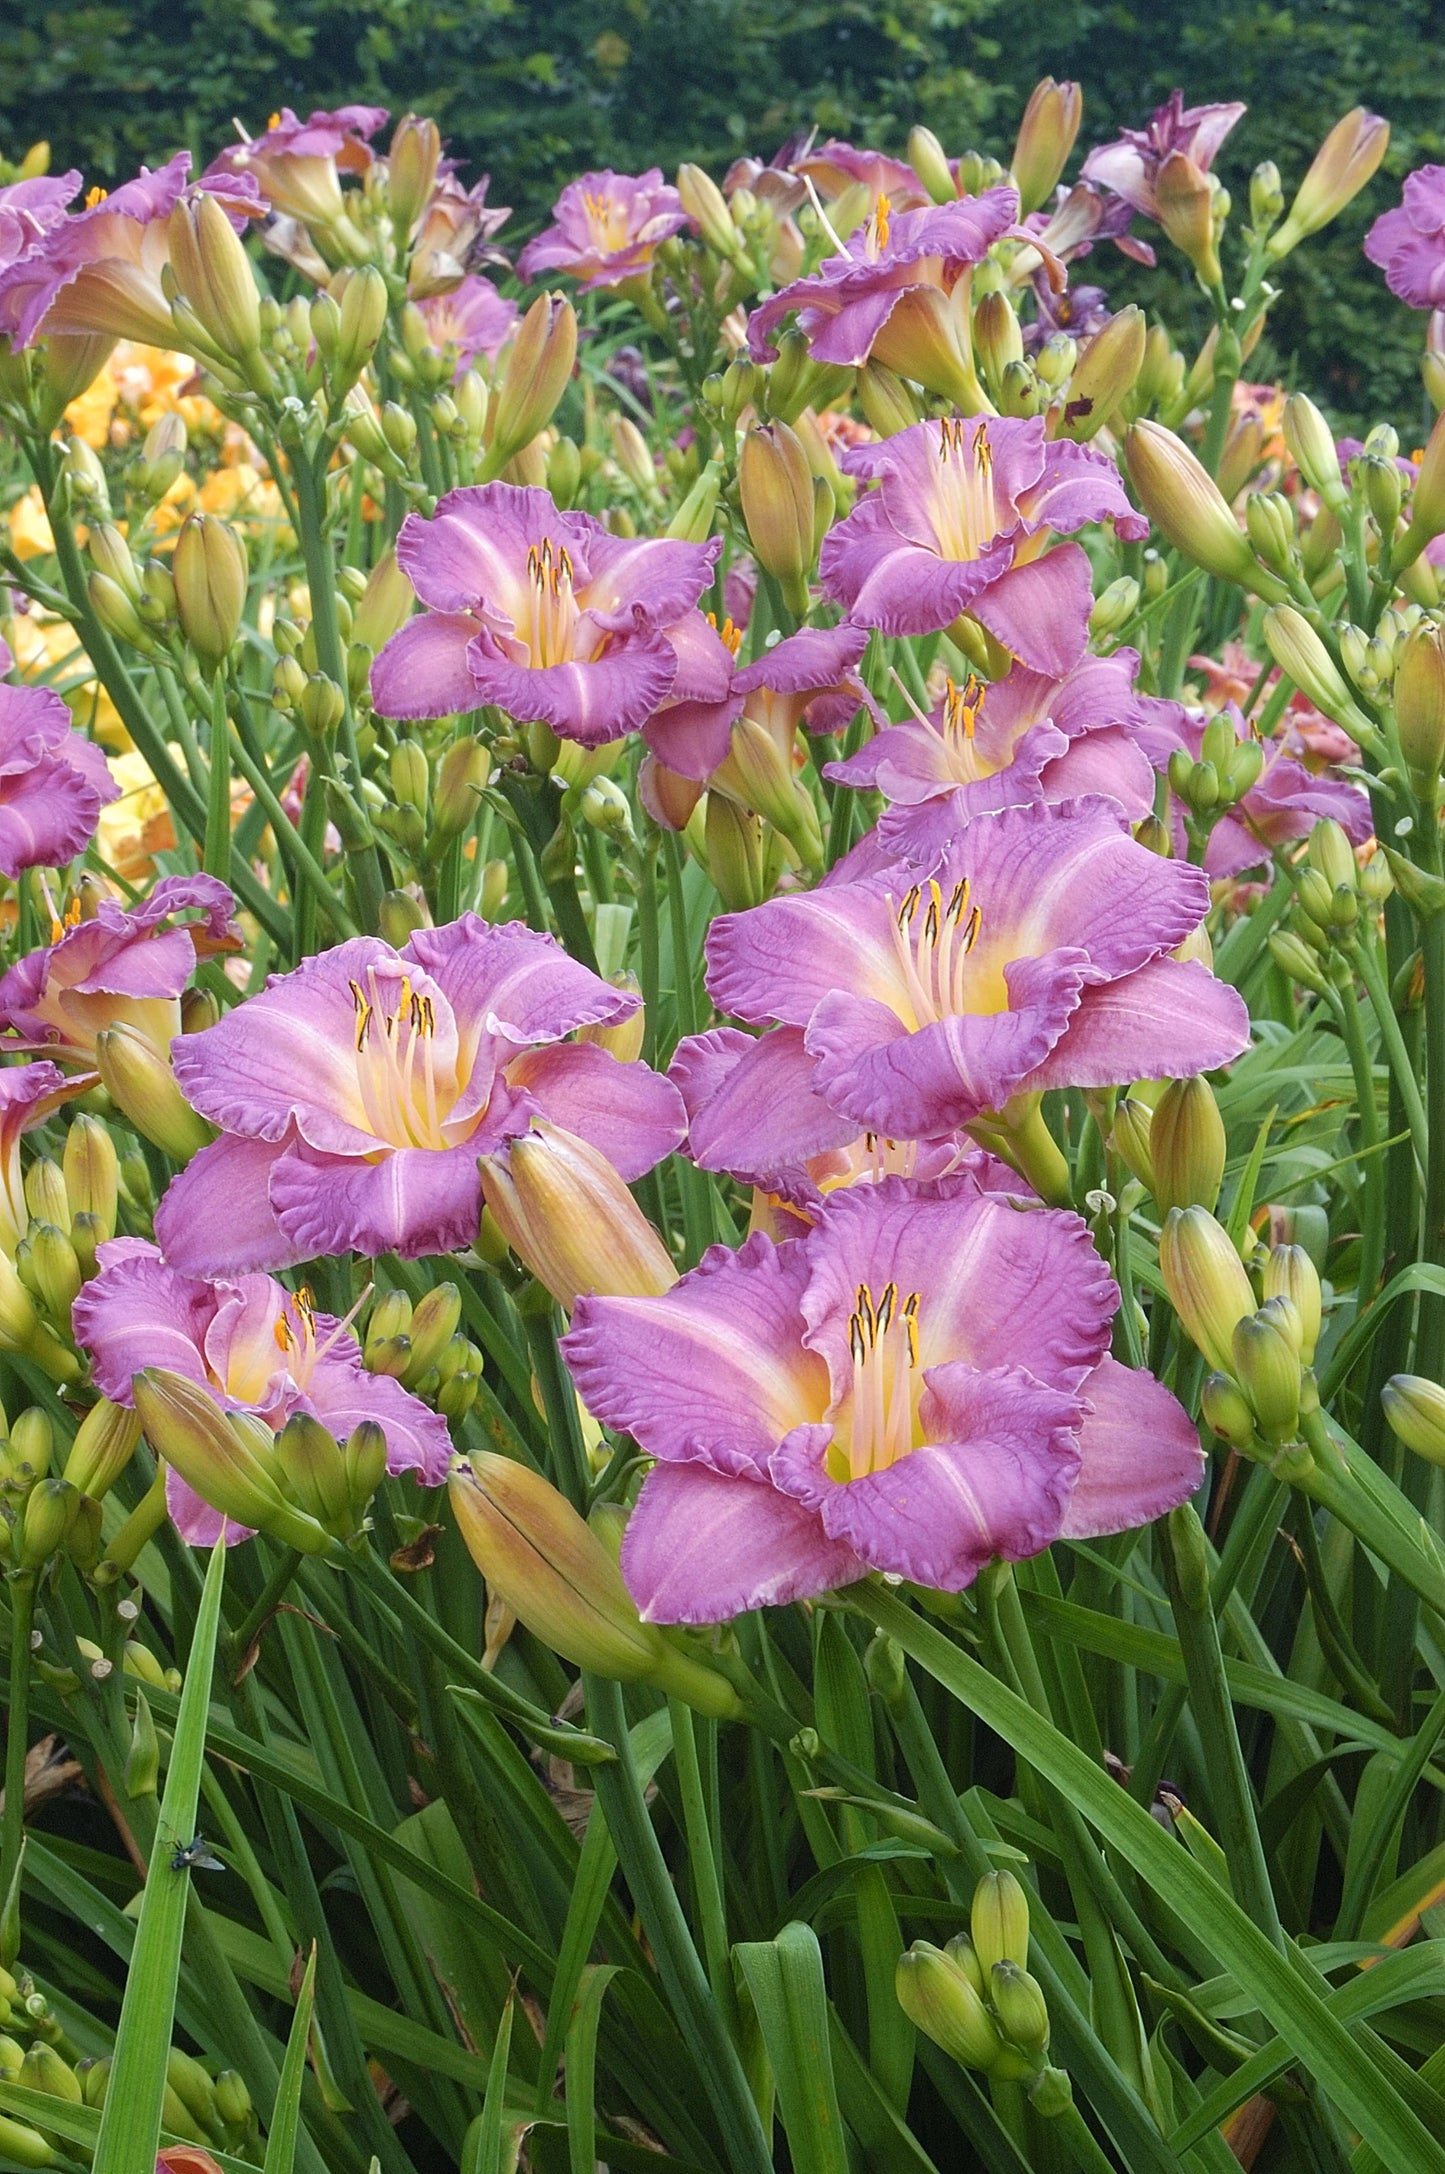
x=395, y=1064
x=965, y=509
x=932, y=938
x=879, y=1422
x=552, y=633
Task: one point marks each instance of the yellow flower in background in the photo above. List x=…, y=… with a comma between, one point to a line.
x=90, y=416
x=48, y=650
x=30, y=535
x=138, y=824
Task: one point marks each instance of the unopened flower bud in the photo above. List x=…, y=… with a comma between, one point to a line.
x=208, y=567
x=1344, y=163
x=143, y=1755
x=707, y=207
x=1329, y=850
x=50, y=1269
x=1420, y=702
x=43, y=2069
x=939, y=2000
x=361, y=294
x=102, y=1448
x=390, y=1317
x=214, y=274
x=997, y=335
x=1312, y=445
x=117, y=611
x=1227, y=1410
x=571, y=1221
x=1187, y=1145
x=143, y=1088
x=1046, y=136
x=86, y=480
x=886, y=401
x=999, y=1921
x=1183, y=500
x=26, y=1457
x=926, y=155
x=310, y=1469
x=1129, y=1138
x=1266, y=1363
x=604, y=805
x=461, y=777
x=544, y=1561
x=1205, y=1279
x=1107, y=371
x=537, y=374
x=410, y=775
x=775, y=485
x=433, y=1325
x=1303, y=657
x=1415, y=1409
x=1384, y=491
x=46, y=1195
x=321, y=706
x=228, y=1458
x=735, y=858
x=1114, y=607
x=385, y=605
x=91, y=1172
x=1186, y=212
x=1269, y=518
x=411, y=171
x=1020, y=2008
x=1266, y=196
x=233, y=2100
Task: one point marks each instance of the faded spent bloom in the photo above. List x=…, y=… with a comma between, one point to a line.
x=956, y=524
x=1130, y=166
x=606, y=228
x=547, y=615
x=355, y=1095
x=917, y=1385
x=257, y=1348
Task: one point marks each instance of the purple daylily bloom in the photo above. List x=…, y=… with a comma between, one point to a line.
x=917, y=1385
x=547, y=615
x=53, y=781
x=1021, y=738
x=1082, y=216
x=1080, y=311
x=1284, y=803
x=29, y=209
x=355, y=1095
x=880, y=297
x=755, y=1114
x=1408, y=243
x=98, y=271
x=953, y=527
x=809, y=678
x=1130, y=167
x=297, y=164
x=1032, y=953
x=834, y=167
x=473, y=318
x=126, y=966
x=257, y=1348
x=28, y=1094
x=606, y=228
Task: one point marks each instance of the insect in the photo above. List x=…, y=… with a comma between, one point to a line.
x=195, y=1857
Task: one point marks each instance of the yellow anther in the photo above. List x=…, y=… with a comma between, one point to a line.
x=95, y=196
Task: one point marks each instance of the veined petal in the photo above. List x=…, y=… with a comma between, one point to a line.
x=140, y=1312
x=1141, y=1454
x=754, y=1111
x=1169, y=1020
x=592, y=700
x=423, y=671
x=215, y=1216
x=1040, y=610
x=412, y=1201
x=701, y=1548
x=628, y=1111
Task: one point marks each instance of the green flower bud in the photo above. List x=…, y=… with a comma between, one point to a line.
x=1312, y=446
x=1107, y=372
x=1114, y=608
x=1183, y=500
x=999, y=1921
x=214, y=274
x=102, y=1449
x=209, y=569
x=537, y=373
x=229, y=1459
x=310, y=1469
x=410, y=775
x=1303, y=657
x=1269, y=518
x=45, y=1522
x=939, y=2000
x=1046, y=136
x=1019, y=2008
x=1187, y=1146
x=1266, y=196
x=927, y=157
x=1415, y=1409
x=1227, y=1410
x=43, y=2070
x=363, y=1458
x=91, y=1172
x=775, y=486
x=143, y=1757
x=735, y=853
x=1420, y=703
x=433, y=1325
x=233, y=2100
x=1289, y=1273
x=1295, y=959
x=461, y=777
x=143, y=1088
x=1266, y=1363
x=50, y=1270
x=1343, y=164
x=193, y=2087
x=1206, y=1282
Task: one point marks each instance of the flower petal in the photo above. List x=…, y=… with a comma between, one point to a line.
x=1141, y=1454
x=215, y=1216
x=701, y=1548
x=413, y=1201
x=1169, y=1020
x=423, y=671
x=628, y=1111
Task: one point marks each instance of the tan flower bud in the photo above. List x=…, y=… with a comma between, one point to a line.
x=214, y=274
x=1046, y=136
x=1344, y=163
x=1187, y=1146
x=143, y=1088
x=537, y=374
x=1183, y=500
x=209, y=570
x=1415, y=1409
x=1205, y=1279
x=929, y=160
x=416, y=148
x=570, y=1219
x=1106, y=372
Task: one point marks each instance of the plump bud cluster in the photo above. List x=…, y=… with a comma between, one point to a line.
x=977, y=1999
x=1261, y=1352
x=421, y=1345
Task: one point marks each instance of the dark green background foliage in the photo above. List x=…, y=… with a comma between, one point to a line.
x=535, y=92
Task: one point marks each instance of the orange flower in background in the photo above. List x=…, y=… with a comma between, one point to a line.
x=186, y=2159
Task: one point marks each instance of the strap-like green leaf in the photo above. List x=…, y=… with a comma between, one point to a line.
x=785, y=1979
x=131, y=2122
x=286, y=2114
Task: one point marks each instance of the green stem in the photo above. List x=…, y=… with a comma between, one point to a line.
x=283, y=1570
x=703, y=1862
x=684, y=1980
x=17, y=1726
x=559, y=1401
x=1372, y=1234
x=1430, y=1340
x=1402, y=1068
x=216, y=854
x=292, y=844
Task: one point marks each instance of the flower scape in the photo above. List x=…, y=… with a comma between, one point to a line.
x=722, y=1170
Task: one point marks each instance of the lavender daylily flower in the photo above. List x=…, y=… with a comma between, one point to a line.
x=547, y=615
x=472, y=317
x=834, y=166
x=29, y=209
x=453, y=236
x=126, y=965
x=1130, y=166
x=1024, y=737
x=297, y=164
x=955, y=526
x=1284, y=803
x=879, y=297
x=809, y=678
x=355, y=1095
x=28, y=1094
x=1032, y=953
x=53, y=781
x=98, y=271
x=1082, y=216
x=606, y=228
x=917, y=1385
x=257, y=1348
x=1408, y=243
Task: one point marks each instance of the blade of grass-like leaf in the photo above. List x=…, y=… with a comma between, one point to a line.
x=582, y=2068
x=1277, y=1982
x=131, y=2122
x=1416, y=1975
x=785, y=1978
x=484, y=2150
x=886, y=2140
x=286, y=2113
